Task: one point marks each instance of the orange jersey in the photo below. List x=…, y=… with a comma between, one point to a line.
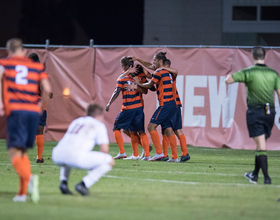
x=166, y=87
x=131, y=98
x=177, y=98
x=21, y=79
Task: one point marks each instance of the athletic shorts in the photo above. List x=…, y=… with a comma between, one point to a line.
x=43, y=118
x=132, y=120
x=175, y=121
x=163, y=114
x=22, y=127
x=259, y=123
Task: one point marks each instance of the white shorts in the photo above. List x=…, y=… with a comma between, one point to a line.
x=83, y=160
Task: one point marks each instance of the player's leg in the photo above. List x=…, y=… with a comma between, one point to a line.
x=173, y=144
x=64, y=176
x=183, y=144
x=134, y=144
x=97, y=164
x=165, y=145
x=40, y=140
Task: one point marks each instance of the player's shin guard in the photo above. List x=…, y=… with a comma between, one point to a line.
x=262, y=160
x=156, y=141
x=119, y=140
x=257, y=166
x=183, y=144
x=173, y=146
x=165, y=145
x=134, y=144
x=145, y=144
x=95, y=174
x=40, y=142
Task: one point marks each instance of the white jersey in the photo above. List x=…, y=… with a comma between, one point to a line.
x=82, y=135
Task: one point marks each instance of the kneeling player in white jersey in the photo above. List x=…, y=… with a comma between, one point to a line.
x=74, y=150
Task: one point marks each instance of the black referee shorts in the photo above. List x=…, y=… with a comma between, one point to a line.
x=259, y=123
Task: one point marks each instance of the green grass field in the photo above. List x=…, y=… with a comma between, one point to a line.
x=210, y=186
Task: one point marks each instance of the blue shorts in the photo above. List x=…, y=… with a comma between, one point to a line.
x=22, y=127
x=43, y=118
x=259, y=123
x=163, y=114
x=132, y=119
x=175, y=121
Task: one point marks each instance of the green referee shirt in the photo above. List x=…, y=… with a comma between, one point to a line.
x=260, y=83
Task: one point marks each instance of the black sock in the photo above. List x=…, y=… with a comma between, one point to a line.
x=83, y=184
x=64, y=182
x=262, y=159
x=257, y=167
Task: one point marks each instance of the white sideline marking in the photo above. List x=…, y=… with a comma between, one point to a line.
x=191, y=183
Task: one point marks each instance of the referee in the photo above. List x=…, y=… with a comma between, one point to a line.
x=260, y=82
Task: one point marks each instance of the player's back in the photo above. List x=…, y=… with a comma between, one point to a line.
x=82, y=134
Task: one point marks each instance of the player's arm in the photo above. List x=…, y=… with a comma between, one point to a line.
x=173, y=71
x=146, y=85
x=46, y=90
x=144, y=63
x=136, y=87
x=113, y=98
x=104, y=148
x=229, y=79
x=2, y=111
x=147, y=73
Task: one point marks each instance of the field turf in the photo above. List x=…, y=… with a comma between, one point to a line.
x=210, y=186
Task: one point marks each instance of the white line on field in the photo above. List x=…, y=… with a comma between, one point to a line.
x=190, y=183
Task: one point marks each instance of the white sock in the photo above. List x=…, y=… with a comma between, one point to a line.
x=95, y=174
x=64, y=173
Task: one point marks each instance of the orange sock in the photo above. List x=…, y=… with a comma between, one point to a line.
x=20, y=192
x=134, y=144
x=183, y=144
x=165, y=145
x=173, y=145
x=40, y=142
x=145, y=144
x=156, y=141
x=119, y=141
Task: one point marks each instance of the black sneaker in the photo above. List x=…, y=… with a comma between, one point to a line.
x=80, y=188
x=185, y=158
x=267, y=180
x=164, y=158
x=251, y=177
x=40, y=161
x=64, y=189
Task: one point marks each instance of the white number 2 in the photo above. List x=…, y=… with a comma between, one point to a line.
x=22, y=72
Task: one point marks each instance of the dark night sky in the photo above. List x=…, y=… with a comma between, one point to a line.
x=71, y=22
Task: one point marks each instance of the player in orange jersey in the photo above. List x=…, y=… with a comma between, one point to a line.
x=131, y=116
x=21, y=77
x=40, y=140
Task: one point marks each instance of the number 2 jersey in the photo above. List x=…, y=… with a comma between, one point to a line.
x=82, y=135
x=20, y=83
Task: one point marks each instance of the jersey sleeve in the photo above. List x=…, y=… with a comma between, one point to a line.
x=43, y=74
x=277, y=83
x=102, y=137
x=120, y=83
x=239, y=76
x=156, y=77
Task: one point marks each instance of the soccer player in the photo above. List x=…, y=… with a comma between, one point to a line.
x=164, y=81
x=261, y=81
x=20, y=88
x=75, y=150
x=131, y=116
x=40, y=140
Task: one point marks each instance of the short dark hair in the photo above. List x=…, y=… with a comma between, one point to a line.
x=127, y=61
x=258, y=53
x=94, y=110
x=34, y=57
x=161, y=56
x=14, y=44
x=167, y=62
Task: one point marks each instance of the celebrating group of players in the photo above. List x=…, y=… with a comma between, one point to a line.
x=133, y=83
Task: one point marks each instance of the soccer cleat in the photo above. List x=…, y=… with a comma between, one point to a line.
x=64, y=189
x=80, y=188
x=132, y=158
x=142, y=154
x=146, y=158
x=120, y=156
x=33, y=187
x=185, y=158
x=164, y=158
x=173, y=160
x=40, y=161
x=157, y=157
x=19, y=198
x=252, y=178
x=267, y=180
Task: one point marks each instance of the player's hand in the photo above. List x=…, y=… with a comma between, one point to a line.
x=136, y=80
x=130, y=86
x=107, y=107
x=133, y=58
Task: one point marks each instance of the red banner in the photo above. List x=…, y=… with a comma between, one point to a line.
x=214, y=115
